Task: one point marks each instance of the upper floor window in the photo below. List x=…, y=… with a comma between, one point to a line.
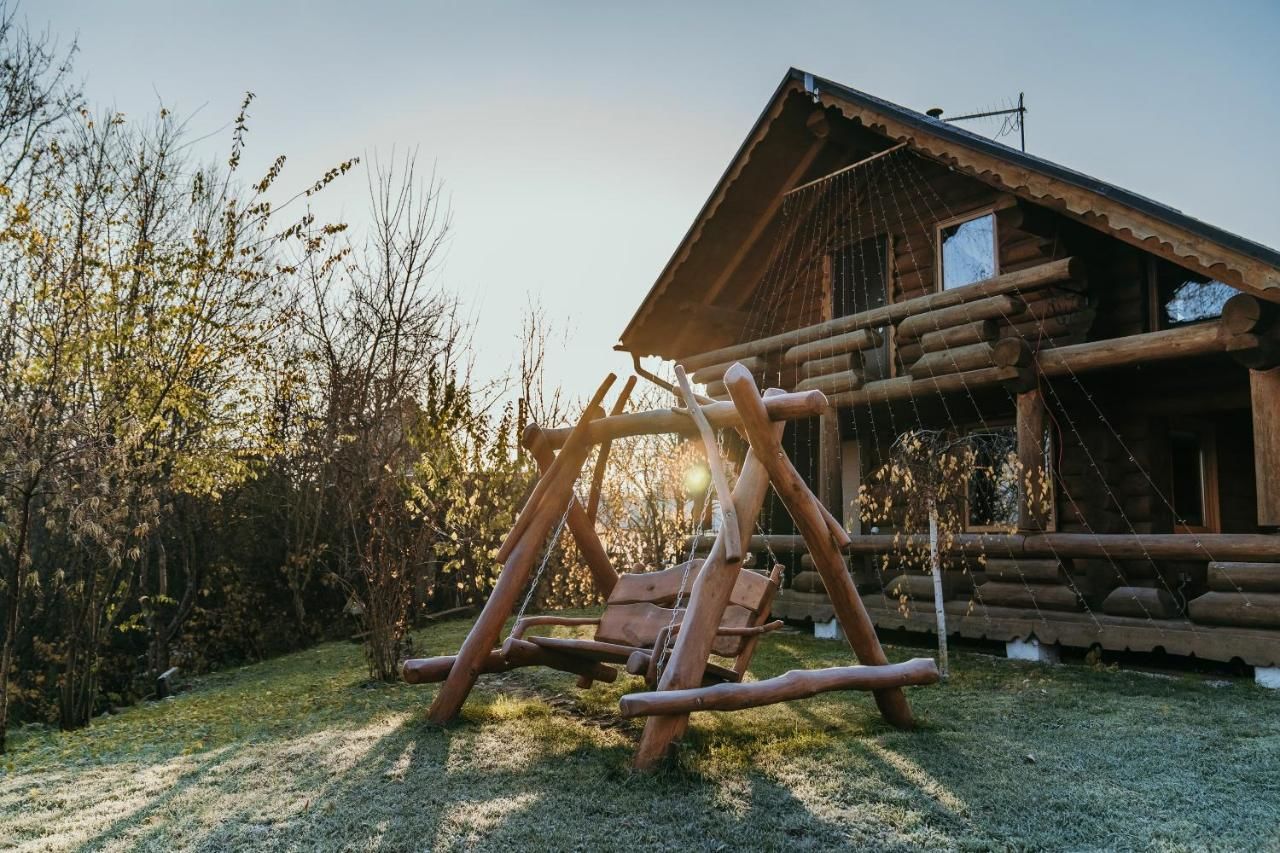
x=1181, y=297
x=967, y=250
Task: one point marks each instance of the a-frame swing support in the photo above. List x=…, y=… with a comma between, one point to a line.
x=760, y=419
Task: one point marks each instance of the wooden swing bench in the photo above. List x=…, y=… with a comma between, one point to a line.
x=664, y=626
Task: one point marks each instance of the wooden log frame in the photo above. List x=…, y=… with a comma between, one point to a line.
x=1183, y=342
x=1242, y=547
x=707, y=602
x=580, y=523
x=602, y=457
x=781, y=407
x=827, y=366
x=805, y=511
x=1021, y=281
x=732, y=540
x=796, y=684
x=1001, y=307
x=555, y=475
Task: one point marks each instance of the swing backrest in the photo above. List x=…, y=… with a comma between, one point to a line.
x=642, y=604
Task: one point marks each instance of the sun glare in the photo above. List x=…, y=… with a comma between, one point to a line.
x=696, y=478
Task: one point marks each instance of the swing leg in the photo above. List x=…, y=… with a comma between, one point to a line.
x=484, y=633
x=803, y=507
x=710, y=596
x=584, y=532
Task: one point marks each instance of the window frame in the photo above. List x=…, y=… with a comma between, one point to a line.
x=976, y=213
x=1210, y=509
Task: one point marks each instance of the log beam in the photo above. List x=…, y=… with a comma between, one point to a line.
x=781, y=407
x=1043, y=275
x=1116, y=546
x=796, y=684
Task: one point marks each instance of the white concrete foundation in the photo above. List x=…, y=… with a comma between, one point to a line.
x=1267, y=676
x=828, y=630
x=1030, y=650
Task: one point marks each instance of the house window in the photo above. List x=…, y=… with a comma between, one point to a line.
x=992, y=494
x=1194, y=478
x=1180, y=297
x=967, y=251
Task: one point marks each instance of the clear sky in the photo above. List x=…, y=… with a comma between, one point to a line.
x=578, y=140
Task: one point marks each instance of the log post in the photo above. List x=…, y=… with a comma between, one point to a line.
x=602, y=457
x=804, y=510
x=707, y=602
x=584, y=532
x=829, y=471
x=1034, y=501
x=471, y=658
x=1264, y=389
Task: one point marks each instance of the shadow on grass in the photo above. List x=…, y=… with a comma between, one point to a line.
x=301, y=754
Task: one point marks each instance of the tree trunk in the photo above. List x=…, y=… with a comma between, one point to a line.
x=935, y=566
x=12, y=612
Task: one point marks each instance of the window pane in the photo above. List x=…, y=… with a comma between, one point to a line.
x=1188, y=497
x=993, y=485
x=969, y=252
x=1197, y=300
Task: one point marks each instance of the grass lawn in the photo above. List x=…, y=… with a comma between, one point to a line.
x=302, y=753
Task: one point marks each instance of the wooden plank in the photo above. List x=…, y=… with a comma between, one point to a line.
x=1046, y=274
x=796, y=684
x=524, y=653
x=1264, y=392
x=638, y=625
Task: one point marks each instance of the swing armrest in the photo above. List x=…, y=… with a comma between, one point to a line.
x=752, y=631
x=567, y=621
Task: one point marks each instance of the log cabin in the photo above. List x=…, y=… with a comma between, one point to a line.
x=928, y=278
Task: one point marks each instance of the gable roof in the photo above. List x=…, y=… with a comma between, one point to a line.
x=1155, y=227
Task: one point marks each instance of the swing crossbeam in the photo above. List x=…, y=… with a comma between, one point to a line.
x=666, y=625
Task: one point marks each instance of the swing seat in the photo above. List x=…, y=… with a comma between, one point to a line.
x=642, y=612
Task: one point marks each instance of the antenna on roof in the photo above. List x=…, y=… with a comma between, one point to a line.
x=1015, y=118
